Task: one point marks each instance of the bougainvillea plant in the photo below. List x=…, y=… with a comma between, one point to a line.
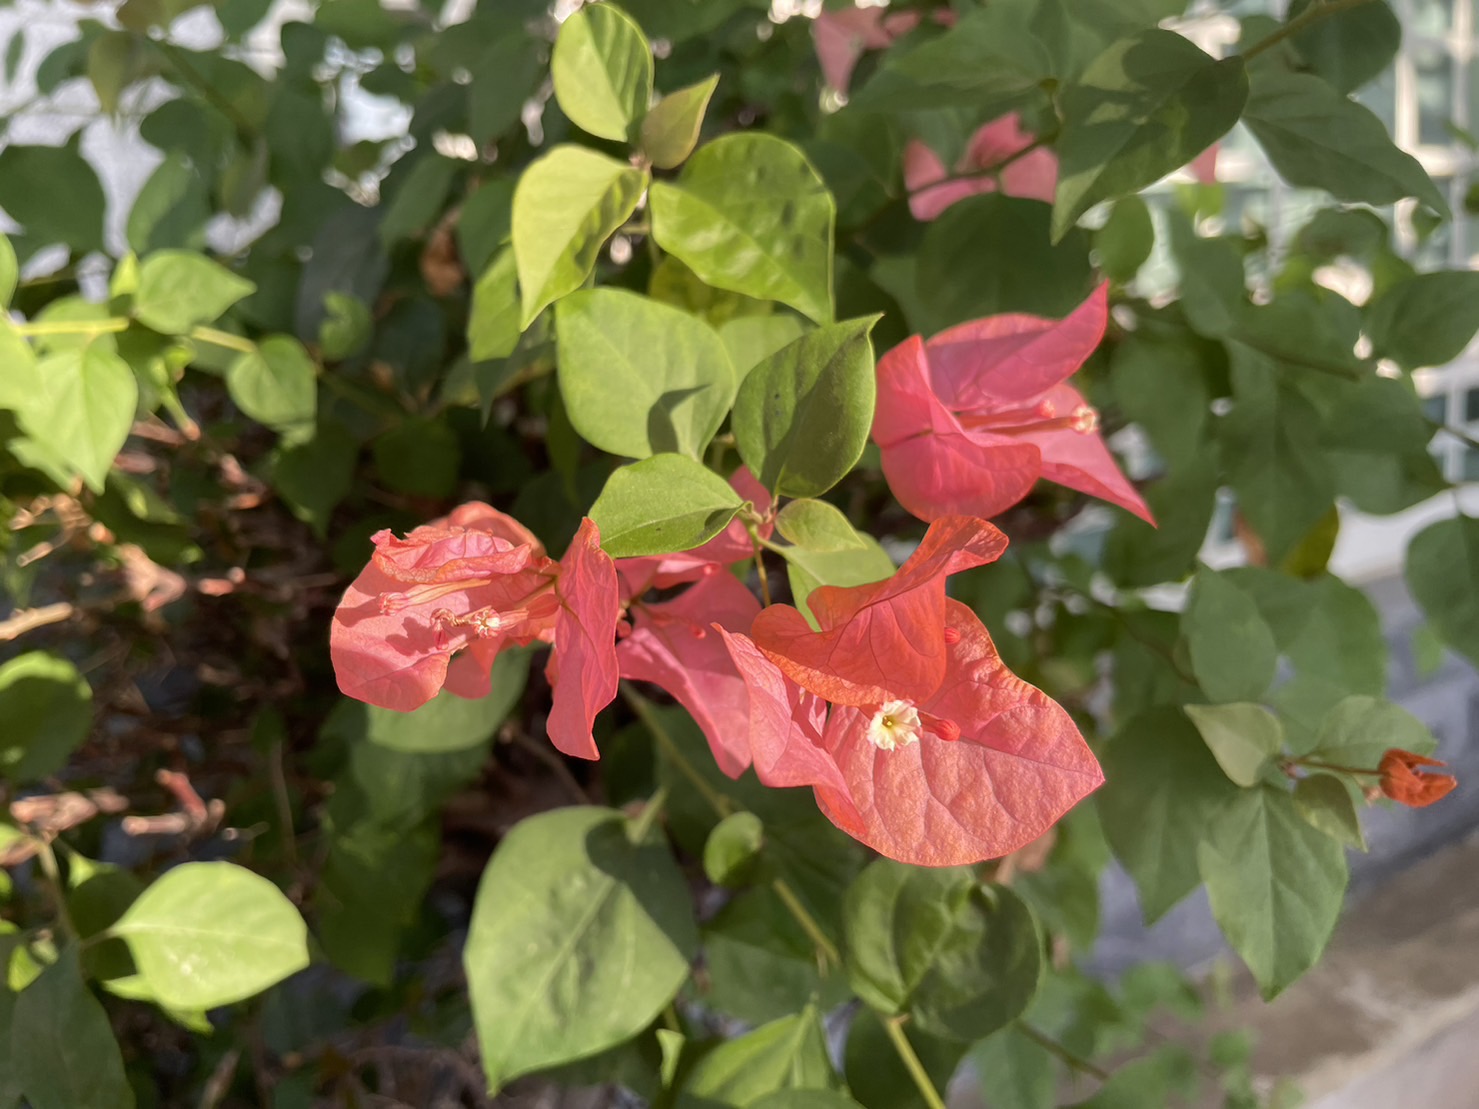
x=665, y=545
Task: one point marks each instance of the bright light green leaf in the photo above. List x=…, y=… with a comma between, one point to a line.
x=817, y=526
x=602, y=70
x=960, y=959
x=1318, y=139
x=277, y=384
x=1276, y=884
x=1233, y=653
x=83, y=409
x=670, y=131
x=732, y=847
x=1125, y=241
x=493, y=319
x=802, y=416
x=662, y=504
x=566, y=205
x=787, y=1054
x=752, y=339
x=1443, y=574
x=63, y=1048
x=1161, y=788
x=1426, y=320
x=179, y=289
x=47, y=708
x=1242, y=737
x=10, y=272
x=860, y=564
x=960, y=276
x=209, y=934
x=750, y=214
x=448, y=722
x=1325, y=802
x=639, y=377
x=578, y=938
x=1144, y=107
x=346, y=327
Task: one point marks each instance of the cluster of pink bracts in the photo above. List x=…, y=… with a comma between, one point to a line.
x=897, y=711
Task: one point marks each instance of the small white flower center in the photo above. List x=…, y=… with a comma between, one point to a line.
x=895, y=724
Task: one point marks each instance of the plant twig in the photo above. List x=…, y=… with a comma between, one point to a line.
x=1315, y=13
x=28, y=619
x=1070, y=1059
x=71, y=327
x=53, y=873
x=895, y=1028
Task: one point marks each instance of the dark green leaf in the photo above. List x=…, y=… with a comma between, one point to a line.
x=802, y=416
x=1318, y=139
x=1276, y=884
x=1426, y=320
x=1348, y=48
x=47, y=708
x=1161, y=788
x=662, y=504
x=761, y=966
x=1143, y=108
x=63, y=1048
x=960, y=276
x=638, y=377
x=960, y=959
x=420, y=456
x=1125, y=241
x=1443, y=574
x=602, y=70
x=54, y=194
x=314, y=475
x=1232, y=649
x=579, y=937
x=877, y=1076
x=750, y=214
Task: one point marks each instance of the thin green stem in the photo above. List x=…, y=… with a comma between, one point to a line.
x=47, y=857
x=1315, y=13
x=1316, y=764
x=760, y=569
x=825, y=947
x=71, y=327
x=895, y=1028
x=223, y=339
x=650, y=812
x=721, y=805
x=1070, y=1059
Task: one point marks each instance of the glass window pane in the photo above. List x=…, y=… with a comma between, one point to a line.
x=1471, y=406
x=1471, y=465
x=1436, y=407
x=1432, y=17
x=1434, y=67
x=1381, y=97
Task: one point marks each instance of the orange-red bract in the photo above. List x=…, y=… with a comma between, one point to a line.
x=968, y=421
x=582, y=669
x=472, y=581
x=1031, y=174
x=1404, y=780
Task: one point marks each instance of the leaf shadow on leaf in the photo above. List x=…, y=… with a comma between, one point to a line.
x=662, y=421
x=610, y=849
